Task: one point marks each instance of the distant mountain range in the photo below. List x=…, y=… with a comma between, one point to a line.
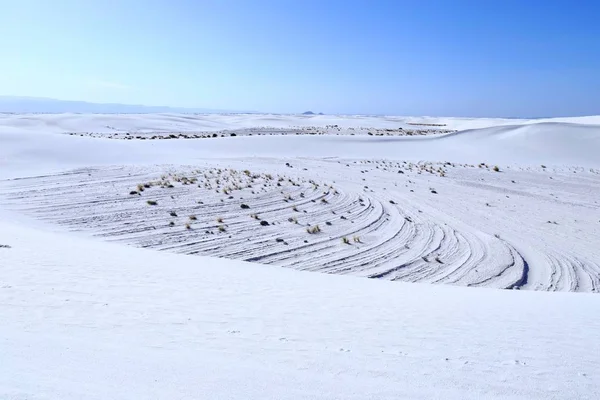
x=15, y=104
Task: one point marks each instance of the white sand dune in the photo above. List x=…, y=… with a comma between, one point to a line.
x=85, y=318
x=61, y=123
x=35, y=145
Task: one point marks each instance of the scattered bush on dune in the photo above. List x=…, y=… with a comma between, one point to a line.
x=313, y=230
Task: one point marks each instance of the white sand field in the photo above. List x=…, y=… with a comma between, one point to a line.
x=237, y=266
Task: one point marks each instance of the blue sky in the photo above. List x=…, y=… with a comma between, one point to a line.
x=509, y=58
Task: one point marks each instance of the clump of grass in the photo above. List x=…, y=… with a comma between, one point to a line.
x=173, y=214
x=254, y=216
x=140, y=187
x=496, y=168
x=313, y=229
x=356, y=239
x=345, y=240
x=220, y=220
x=193, y=218
x=295, y=208
x=221, y=228
x=152, y=202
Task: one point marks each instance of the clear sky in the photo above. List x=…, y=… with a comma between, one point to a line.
x=523, y=58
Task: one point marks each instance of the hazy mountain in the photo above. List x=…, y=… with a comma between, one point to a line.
x=311, y=113
x=15, y=104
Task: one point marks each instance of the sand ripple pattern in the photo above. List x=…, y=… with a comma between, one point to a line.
x=279, y=220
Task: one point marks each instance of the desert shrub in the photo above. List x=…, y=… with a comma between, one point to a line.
x=313, y=229
x=244, y=206
x=152, y=202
